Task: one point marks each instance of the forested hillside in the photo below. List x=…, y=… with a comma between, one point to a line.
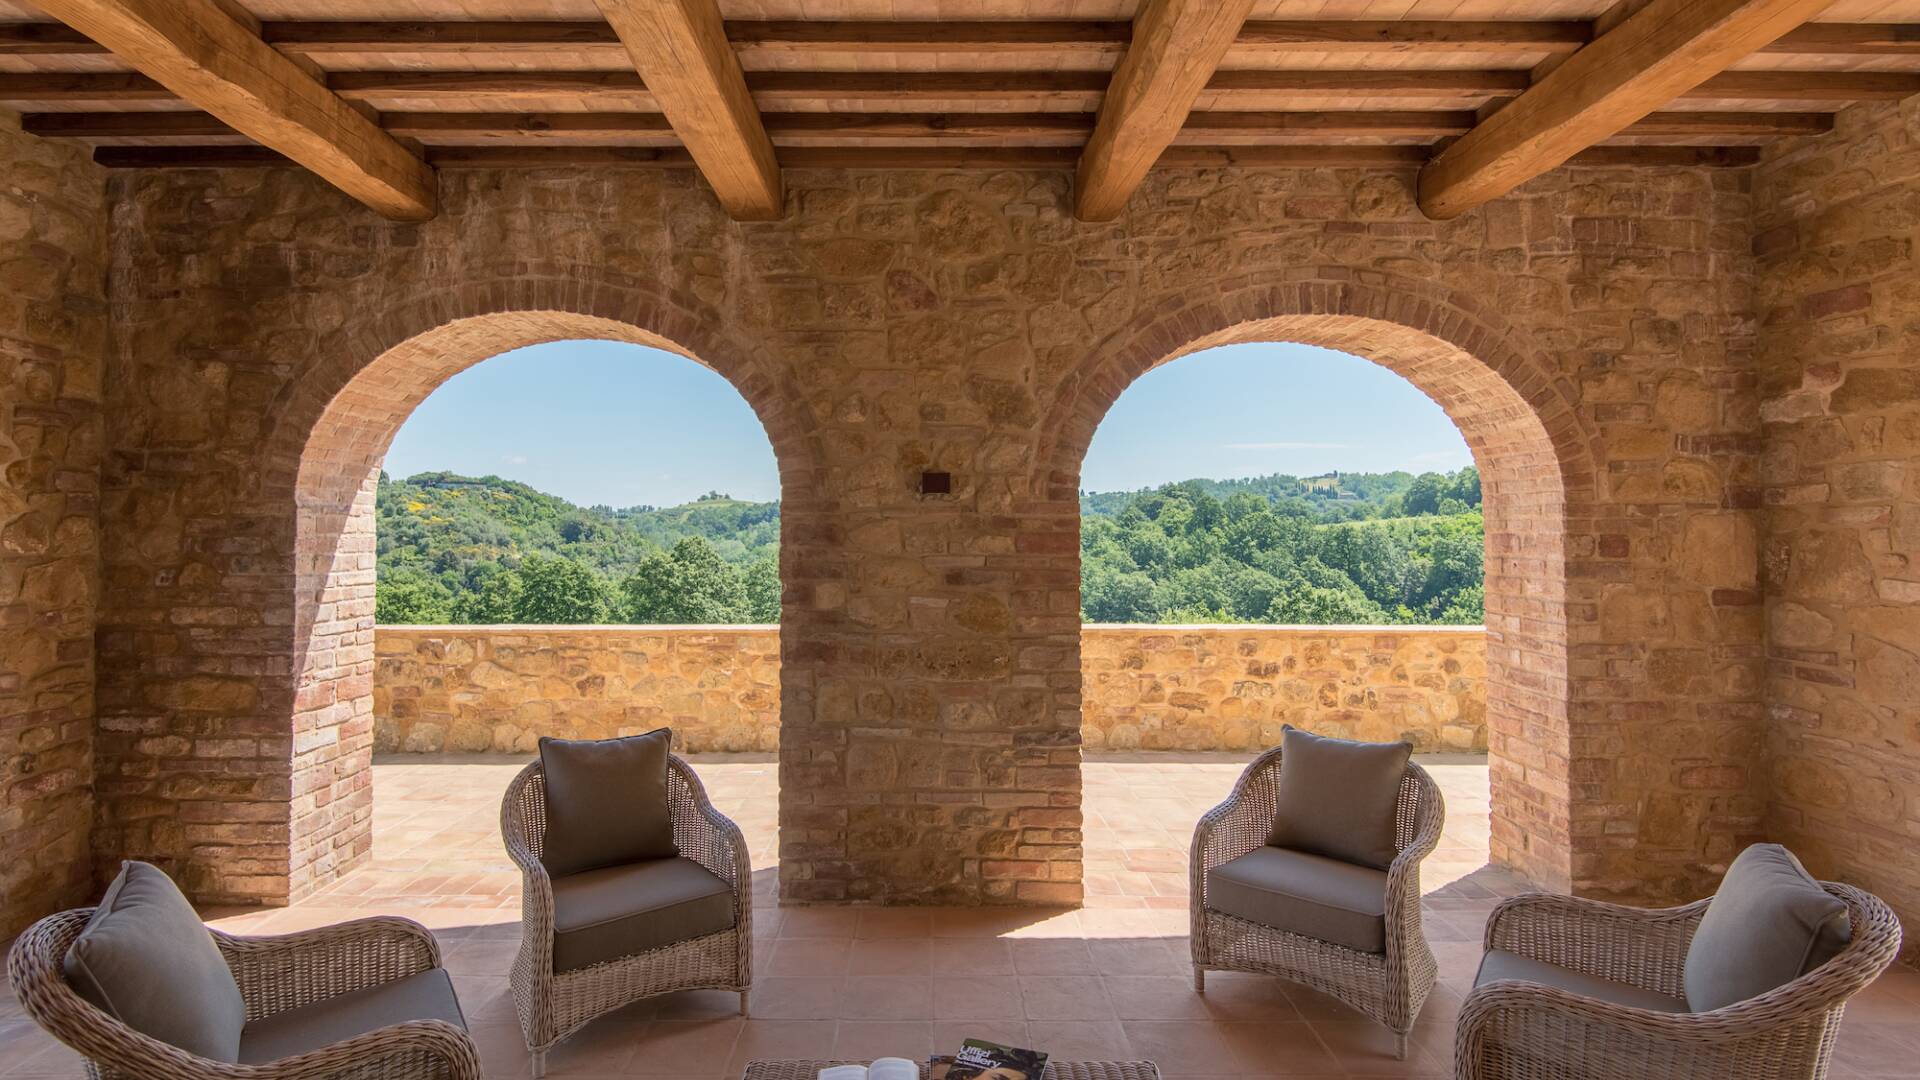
x=465, y=550
x=1344, y=548
x=1340, y=548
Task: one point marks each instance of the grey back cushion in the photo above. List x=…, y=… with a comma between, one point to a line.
x=1339, y=798
x=606, y=802
x=1769, y=924
x=148, y=961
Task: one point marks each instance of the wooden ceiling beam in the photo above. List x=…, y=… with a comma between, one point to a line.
x=1200, y=126
x=46, y=39
x=1175, y=48
x=1839, y=86
x=1105, y=37
x=197, y=50
x=1383, y=82
x=488, y=35
x=680, y=49
x=1655, y=55
x=997, y=157
x=1849, y=39
x=773, y=89
x=995, y=36
x=1412, y=35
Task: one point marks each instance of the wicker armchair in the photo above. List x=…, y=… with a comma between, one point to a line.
x=275, y=974
x=553, y=1005
x=1527, y=1031
x=1387, y=987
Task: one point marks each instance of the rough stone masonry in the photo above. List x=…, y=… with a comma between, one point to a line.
x=479, y=689
x=1685, y=389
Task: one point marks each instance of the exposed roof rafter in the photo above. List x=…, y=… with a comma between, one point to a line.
x=197, y=50
x=680, y=49
x=1653, y=56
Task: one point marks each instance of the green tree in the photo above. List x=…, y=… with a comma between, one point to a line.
x=1468, y=608
x=554, y=590
x=690, y=584
x=411, y=598
x=1313, y=605
x=492, y=595
x=762, y=582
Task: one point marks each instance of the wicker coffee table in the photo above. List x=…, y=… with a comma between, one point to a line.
x=1056, y=1070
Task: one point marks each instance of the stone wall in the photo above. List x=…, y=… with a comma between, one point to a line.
x=1838, y=227
x=1234, y=687
x=1590, y=334
x=53, y=339
x=499, y=688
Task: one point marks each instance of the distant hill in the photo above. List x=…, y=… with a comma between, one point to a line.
x=1340, y=547
x=1308, y=495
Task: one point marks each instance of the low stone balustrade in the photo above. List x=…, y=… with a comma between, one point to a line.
x=1147, y=687
x=1234, y=687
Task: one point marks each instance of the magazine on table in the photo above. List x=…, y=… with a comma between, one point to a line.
x=979, y=1059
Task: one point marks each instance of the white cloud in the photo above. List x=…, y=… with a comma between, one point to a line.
x=514, y=459
x=1289, y=446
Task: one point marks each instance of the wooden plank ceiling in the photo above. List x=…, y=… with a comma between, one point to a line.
x=840, y=83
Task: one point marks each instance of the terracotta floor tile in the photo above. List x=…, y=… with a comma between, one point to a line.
x=684, y=1047
x=887, y=997
x=1155, y=997
x=988, y=997
x=949, y=957
x=770, y=1040
x=890, y=956
x=1083, y=1040
x=1182, y=1047
x=802, y=997
x=1064, y=997
x=804, y=956
x=1279, y=1048
x=864, y=1040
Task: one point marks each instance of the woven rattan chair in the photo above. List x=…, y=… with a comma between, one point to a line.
x=275, y=974
x=1513, y=1030
x=1387, y=987
x=553, y=1005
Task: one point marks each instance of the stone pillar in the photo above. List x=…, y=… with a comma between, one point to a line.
x=53, y=340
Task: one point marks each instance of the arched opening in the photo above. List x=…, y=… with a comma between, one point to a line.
x=1526, y=444
x=1279, y=535
x=330, y=782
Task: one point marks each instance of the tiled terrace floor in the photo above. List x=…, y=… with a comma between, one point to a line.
x=1108, y=981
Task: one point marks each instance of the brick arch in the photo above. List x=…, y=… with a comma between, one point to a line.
x=335, y=423
x=1536, y=461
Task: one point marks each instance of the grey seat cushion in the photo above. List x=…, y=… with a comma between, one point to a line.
x=606, y=802
x=1769, y=924
x=148, y=961
x=1304, y=893
x=621, y=911
x=1339, y=798
x=425, y=996
x=1499, y=964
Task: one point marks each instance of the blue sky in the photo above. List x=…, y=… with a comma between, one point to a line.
x=607, y=422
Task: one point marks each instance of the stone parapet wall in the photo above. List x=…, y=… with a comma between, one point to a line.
x=499, y=688
x=1234, y=687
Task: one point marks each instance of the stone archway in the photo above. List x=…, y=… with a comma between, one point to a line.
x=1536, y=467
x=336, y=423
